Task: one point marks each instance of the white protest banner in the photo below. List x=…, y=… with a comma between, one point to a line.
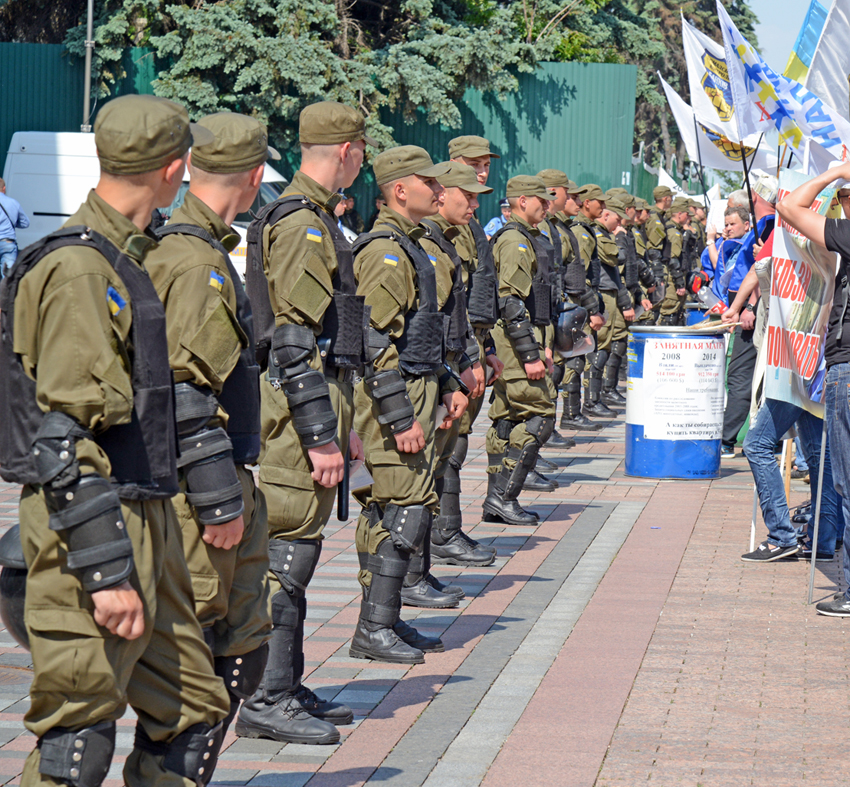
x=801, y=289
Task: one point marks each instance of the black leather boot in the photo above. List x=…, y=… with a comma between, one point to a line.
x=537, y=482
x=410, y=636
x=611, y=376
x=418, y=591
x=449, y=544
x=558, y=442
x=573, y=418
x=500, y=508
x=592, y=404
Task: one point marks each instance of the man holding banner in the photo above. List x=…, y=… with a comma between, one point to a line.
x=804, y=210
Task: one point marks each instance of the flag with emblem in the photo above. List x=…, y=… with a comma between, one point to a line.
x=115, y=301
x=216, y=280
x=314, y=235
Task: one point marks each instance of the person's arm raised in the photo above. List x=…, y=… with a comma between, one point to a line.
x=795, y=208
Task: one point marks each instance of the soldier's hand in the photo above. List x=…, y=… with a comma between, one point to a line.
x=328, y=464
x=535, y=371
x=411, y=441
x=456, y=403
x=496, y=365
x=629, y=315
x=647, y=304
x=550, y=363
x=680, y=291
x=226, y=535
x=355, y=447
x=596, y=321
x=120, y=611
x=476, y=387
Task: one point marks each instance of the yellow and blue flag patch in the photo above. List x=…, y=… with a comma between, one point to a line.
x=314, y=235
x=114, y=300
x=433, y=260
x=216, y=280
x=391, y=259
x=522, y=247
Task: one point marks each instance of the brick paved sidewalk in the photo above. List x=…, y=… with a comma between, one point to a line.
x=622, y=641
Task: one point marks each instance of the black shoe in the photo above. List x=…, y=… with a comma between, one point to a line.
x=613, y=397
x=472, y=542
x=449, y=590
x=509, y=511
x=326, y=710
x=410, y=636
x=837, y=607
x=767, y=553
x=558, y=442
x=284, y=720
x=424, y=595
x=460, y=551
x=579, y=422
x=379, y=643
x=597, y=410
x=543, y=465
x=795, y=473
x=536, y=482
x=820, y=557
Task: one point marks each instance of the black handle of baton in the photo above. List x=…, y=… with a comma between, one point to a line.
x=342, y=493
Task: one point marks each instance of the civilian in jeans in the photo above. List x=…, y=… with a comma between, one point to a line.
x=833, y=234
x=11, y=218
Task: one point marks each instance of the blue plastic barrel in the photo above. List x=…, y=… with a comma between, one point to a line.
x=675, y=402
x=694, y=313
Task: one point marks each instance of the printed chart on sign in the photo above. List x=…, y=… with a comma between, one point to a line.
x=683, y=388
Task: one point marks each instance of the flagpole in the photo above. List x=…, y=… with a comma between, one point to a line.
x=705, y=199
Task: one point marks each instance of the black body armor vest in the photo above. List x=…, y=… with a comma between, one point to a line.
x=539, y=301
x=553, y=242
x=240, y=394
x=457, y=337
x=609, y=275
x=143, y=453
x=345, y=318
x=421, y=348
x=482, y=302
x=593, y=273
x=573, y=274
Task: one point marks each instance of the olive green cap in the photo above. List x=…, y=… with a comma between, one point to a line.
x=405, y=160
x=470, y=147
x=591, y=191
x=641, y=204
x=694, y=204
x=622, y=195
x=615, y=206
x=679, y=205
x=138, y=134
x=659, y=192
x=554, y=178
x=527, y=186
x=240, y=143
x=460, y=176
x=332, y=123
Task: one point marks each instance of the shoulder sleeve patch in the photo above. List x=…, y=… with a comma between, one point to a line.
x=314, y=235
x=115, y=301
x=216, y=280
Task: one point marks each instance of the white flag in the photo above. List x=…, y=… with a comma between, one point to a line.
x=708, y=79
x=706, y=146
x=830, y=65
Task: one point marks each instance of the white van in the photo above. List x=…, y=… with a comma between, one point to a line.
x=51, y=173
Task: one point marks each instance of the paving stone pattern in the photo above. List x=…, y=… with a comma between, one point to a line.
x=620, y=642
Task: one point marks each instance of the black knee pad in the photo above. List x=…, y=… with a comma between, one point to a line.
x=558, y=373
x=540, y=428
x=79, y=758
x=407, y=525
x=242, y=674
x=293, y=562
x=193, y=754
x=458, y=456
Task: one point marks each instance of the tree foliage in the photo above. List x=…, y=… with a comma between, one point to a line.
x=270, y=58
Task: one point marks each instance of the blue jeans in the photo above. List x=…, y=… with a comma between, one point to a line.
x=837, y=401
x=800, y=456
x=8, y=255
x=772, y=421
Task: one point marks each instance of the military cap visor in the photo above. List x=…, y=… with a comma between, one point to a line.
x=138, y=134
x=405, y=160
x=332, y=123
x=239, y=144
x=470, y=146
x=527, y=186
x=591, y=191
x=461, y=176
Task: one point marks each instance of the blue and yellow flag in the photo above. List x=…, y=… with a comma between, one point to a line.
x=314, y=235
x=807, y=41
x=114, y=300
x=216, y=280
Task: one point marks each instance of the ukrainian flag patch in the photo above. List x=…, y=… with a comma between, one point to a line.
x=433, y=260
x=391, y=259
x=314, y=235
x=114, y=300
x=522, y=247
x=216, y=280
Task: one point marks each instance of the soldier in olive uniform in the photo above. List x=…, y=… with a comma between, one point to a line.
x=309, y=325
x=523, y=412
x=396, y=404
x=109, y=609
x=211, y=351
x=663, y=249
x=616, y=268
x=457, y=207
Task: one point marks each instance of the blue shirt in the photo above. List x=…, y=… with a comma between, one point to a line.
x=728, y=252
x=494, y=225
x=11, y=216
x=745, y=259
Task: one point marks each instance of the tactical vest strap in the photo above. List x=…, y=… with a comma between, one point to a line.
x=483, y=296
x=455, y=306
x=539, y=301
